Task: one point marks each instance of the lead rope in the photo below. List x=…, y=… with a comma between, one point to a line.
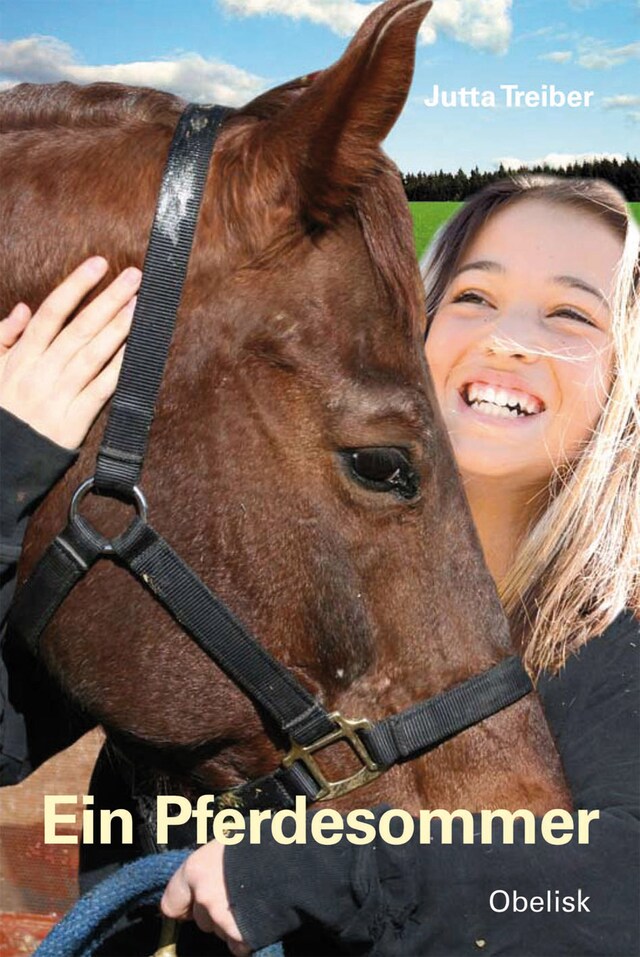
x=87, y=926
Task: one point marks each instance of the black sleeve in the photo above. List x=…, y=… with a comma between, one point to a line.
x=30, y=464
x=435, y=899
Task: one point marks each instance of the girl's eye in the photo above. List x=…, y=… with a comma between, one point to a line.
x=568, y=313
x=384, y=469
x=470, y=296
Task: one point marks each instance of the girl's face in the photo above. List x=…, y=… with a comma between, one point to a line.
x=520, y=348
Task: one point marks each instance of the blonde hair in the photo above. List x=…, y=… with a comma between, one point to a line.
x=579, y=565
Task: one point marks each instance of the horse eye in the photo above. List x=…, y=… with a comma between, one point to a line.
x=383, y=470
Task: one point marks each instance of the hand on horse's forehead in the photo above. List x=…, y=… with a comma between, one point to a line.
x=57, y=377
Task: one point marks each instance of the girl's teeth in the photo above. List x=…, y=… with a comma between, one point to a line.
x=487, y=408
x=480, y=395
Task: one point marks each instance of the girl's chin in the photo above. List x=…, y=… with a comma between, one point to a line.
x=480, y=471
x=497, y=446
x=480, y=459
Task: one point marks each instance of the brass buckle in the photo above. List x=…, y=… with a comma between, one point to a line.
x=346, y=730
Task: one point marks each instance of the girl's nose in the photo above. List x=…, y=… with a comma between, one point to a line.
x=513, y=333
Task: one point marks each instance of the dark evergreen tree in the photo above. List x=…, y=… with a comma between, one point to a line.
x=442, y=187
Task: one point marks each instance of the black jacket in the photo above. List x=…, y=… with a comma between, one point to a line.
x=35, y=721
x=398, y=900
x=435, y=899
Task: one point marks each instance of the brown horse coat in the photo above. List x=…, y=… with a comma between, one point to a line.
x=298, y=340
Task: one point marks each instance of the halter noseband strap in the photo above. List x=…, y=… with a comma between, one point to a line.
x=152, y=560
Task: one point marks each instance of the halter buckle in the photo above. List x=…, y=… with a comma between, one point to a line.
x=346, y=730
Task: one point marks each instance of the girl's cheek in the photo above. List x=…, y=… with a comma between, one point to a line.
x=446, y=341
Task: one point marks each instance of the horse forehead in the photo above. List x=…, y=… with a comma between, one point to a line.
x=342, y=259
x=326, y=326
x=379, y=396
x=364, y=380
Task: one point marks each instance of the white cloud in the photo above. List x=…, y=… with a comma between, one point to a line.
x=47, y=60
x=580, y=5
x=556, y=160
x=624, y=101
x=483, y=24
x=558, y=56
x=342, y=16
x=621, y=102
x=534, y=34
x=596, y=55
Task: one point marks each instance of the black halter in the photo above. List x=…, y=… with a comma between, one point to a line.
x=150, y=559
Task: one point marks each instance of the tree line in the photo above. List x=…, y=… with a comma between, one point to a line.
x=442, y=187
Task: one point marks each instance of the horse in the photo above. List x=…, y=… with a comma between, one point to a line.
x=297, y=460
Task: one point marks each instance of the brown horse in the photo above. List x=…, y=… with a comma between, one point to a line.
x=298, y=342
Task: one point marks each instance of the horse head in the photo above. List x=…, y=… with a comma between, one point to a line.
x=297, y=460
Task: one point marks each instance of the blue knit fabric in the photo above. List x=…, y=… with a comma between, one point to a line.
x=88, y=924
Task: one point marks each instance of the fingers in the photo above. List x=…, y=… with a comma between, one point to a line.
x=57, y=379
x=52, y=314
x=200, y=915
x=86, y=364
x=87, y=406
x=14, y=325
x=197, y=890
x=177, y=898
x=88, y=324
x=238, y=950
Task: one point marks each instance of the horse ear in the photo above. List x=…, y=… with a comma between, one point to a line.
x=331, y=133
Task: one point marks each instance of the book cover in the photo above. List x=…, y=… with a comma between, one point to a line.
x=498, y=87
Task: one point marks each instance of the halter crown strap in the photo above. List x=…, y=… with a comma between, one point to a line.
x=124, y=444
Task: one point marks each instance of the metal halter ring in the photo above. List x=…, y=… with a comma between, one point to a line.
x=138, y=501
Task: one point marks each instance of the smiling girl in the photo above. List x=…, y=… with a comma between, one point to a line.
x=533, y=343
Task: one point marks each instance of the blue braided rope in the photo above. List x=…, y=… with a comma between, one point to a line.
x=88, y=924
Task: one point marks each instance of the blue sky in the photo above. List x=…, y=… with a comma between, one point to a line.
x=230, y=50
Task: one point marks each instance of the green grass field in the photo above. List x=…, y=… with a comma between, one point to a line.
x=427, y=217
